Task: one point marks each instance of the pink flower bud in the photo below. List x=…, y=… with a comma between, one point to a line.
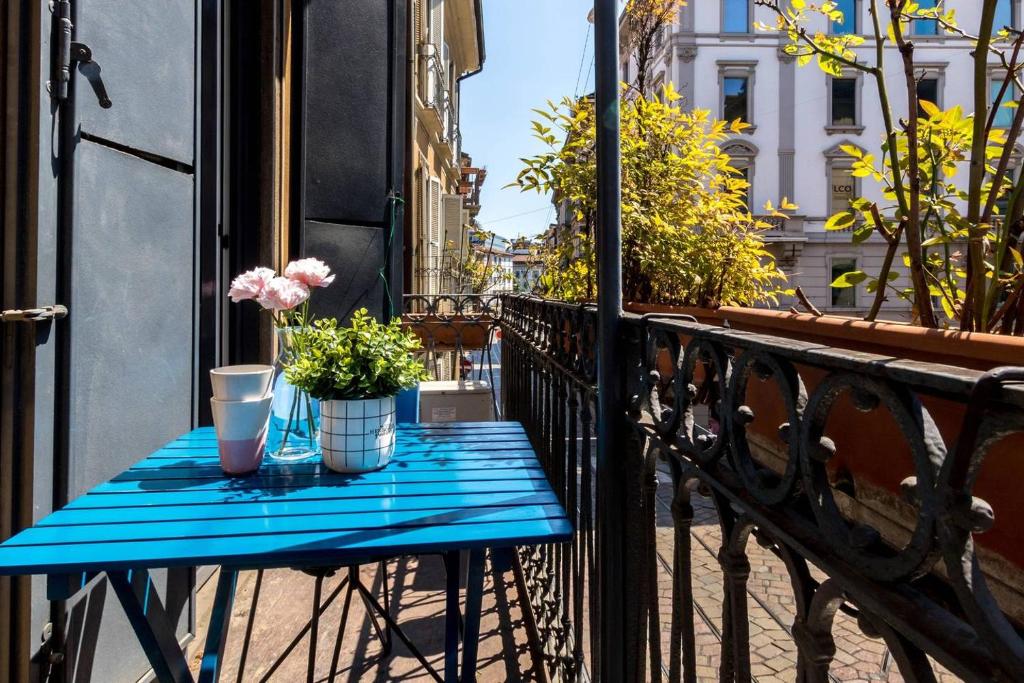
x=250, y=284
x=283, y=294
x=311, y=272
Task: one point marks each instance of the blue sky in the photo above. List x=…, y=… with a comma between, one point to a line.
x=534, y=52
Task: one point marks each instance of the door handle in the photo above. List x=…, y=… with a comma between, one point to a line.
x=33, y=315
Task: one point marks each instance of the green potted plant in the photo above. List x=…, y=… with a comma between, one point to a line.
x=355, y=372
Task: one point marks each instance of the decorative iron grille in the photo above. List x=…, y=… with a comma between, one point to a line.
x=753, y=430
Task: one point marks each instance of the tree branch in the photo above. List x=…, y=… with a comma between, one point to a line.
x=970, y=317
x=802, y=298
x=922, y=294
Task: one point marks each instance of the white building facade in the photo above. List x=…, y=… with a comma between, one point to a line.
x=799, y=117
x=449, y=48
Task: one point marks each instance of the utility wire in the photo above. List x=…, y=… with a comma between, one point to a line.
x=583, y=57
x=517, y=215
x=587, y=80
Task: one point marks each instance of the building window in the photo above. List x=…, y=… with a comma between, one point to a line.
x=841, y=185
x=736, y=87
x=848, y=25
x=843, y=189
x=736, y=16
x=735, y=100
x=927, y=90
x=844, y=106
x=746, y=175
x=1005, y=15
x=844, y=102
x=625, y=71
x=741, y=157
x=1004, y=114
x=925, y=27
x=931, y=82
x=842, y=297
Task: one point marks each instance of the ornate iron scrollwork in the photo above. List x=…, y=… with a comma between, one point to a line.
x=921, y=589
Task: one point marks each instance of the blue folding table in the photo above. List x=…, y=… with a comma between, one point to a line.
x=450, y=487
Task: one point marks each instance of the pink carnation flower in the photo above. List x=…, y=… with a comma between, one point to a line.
x=250, y=284
x=283, y=294
x=311, y=272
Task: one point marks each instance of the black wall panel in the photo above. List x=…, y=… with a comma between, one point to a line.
x=352, y=137
x=354, y=253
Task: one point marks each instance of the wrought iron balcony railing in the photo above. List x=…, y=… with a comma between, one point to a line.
x=458, y=334
x=433, y=87
x=757, y=436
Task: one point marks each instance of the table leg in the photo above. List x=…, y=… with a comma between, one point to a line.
x=152, y=627
x=452, y=567
x=220, y=619
x=474, y=598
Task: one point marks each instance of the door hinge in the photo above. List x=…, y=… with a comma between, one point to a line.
x=34, y=315
x=61, y=71
x=67, y=51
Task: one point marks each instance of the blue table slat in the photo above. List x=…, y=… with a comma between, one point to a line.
x=396, y=475
x=326, y=522
x=209, y=449
x=238, y=510
x=190, y=469
x=208, y=458
x=241, y=495
x=451, y=486
x=281, y=550
x=469, y=430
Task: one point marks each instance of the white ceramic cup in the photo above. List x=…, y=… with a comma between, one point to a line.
x=241, y=382
x=242, y=428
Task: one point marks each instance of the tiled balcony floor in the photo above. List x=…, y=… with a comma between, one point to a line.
x=284, y=609
x=285, y=606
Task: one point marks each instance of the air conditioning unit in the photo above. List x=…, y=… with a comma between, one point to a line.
x=456, y=401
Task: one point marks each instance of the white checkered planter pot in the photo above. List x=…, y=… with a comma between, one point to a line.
x=357, y=436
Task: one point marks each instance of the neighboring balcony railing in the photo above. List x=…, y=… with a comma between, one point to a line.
x=458, y=334
x=434, y=89
x=790, y=444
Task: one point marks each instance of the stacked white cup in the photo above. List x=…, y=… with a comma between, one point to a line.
x=241, y=413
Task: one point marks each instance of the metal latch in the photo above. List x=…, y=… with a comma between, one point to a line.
x=69, y=52
x=32, y=315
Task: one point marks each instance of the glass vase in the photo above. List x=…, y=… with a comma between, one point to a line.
x=295, y=415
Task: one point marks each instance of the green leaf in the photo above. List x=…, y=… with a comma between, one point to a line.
x=850, y=279
x=929, y=108
x=947, y=308
x=852, y=150
x=938, y=239
x=862, y=233
x=840, y=221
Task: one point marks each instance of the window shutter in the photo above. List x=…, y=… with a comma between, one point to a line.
x=434, y=238
x=419, y=19
x=437, y=24
x=452, y=219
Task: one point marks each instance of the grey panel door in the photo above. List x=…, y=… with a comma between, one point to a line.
x=127, y=267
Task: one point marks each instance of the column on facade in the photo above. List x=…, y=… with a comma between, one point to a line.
x=787, y=124
x=685, y=49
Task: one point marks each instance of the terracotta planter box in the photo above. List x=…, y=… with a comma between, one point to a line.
x=872, y=456
x=451, y=333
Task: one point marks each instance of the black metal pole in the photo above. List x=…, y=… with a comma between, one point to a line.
x=610, y=480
